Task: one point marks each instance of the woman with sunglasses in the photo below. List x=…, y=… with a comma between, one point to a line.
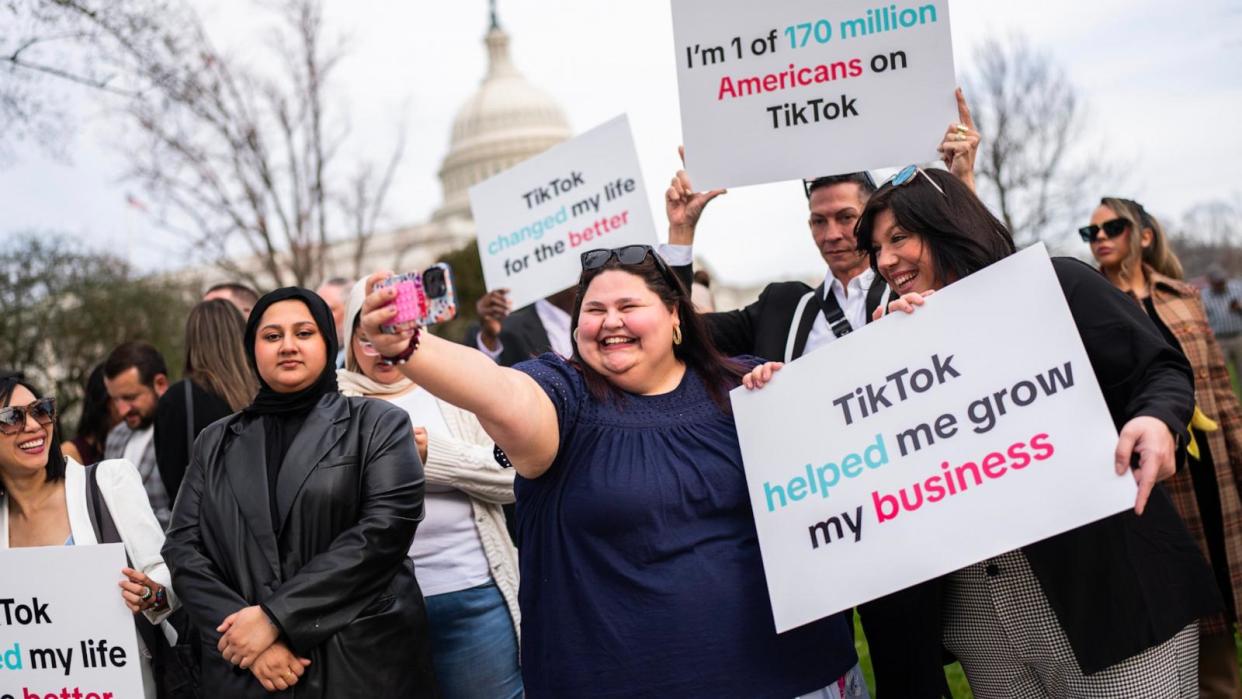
x=44, y=502
x=1104, y=610
x=640, y=563
x=465, y=562
x=289, y=536
x=1133, y=252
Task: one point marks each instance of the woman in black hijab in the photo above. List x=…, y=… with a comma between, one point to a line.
x=289, y=536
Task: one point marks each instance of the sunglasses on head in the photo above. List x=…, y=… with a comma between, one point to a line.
x=13, y=418
x=1112, y=229
x=628, y=256
x=907, y=174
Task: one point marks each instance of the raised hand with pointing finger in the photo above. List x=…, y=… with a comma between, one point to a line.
x=961, y=143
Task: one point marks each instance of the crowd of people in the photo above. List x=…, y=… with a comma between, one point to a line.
x=557, y=507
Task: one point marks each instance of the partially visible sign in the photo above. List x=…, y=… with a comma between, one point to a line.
x=65, y=632
x=536, y=219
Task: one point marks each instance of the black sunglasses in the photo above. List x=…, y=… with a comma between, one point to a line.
x=628, y=256
x=13, y=418
x=1112, y=229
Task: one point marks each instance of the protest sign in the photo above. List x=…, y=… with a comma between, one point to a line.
x=788, y=89
x=923, y=443
x=535, y=219
x=64, y=630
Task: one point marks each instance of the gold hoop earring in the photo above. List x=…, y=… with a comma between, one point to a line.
x=676, y=334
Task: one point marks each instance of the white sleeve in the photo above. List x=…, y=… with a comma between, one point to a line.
x=676, y=255
x=122, y=489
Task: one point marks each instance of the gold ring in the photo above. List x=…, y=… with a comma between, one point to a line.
x=961, y=128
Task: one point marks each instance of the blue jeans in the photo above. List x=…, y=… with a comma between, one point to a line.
x=473, y=644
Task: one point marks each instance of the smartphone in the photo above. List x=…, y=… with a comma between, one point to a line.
x=422, y=299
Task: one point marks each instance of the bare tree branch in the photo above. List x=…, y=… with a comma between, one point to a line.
x=1032, y=121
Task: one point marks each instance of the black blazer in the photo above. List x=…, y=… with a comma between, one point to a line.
x=1118, y=586
x=335, y=576
x=522, y=336
x=762, y=328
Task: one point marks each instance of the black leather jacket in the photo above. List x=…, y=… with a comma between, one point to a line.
x=335, y=577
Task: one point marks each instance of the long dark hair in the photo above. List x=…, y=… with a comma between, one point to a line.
x=962, y=235
x=55, y=469
x=96, y=420
x=718, y=372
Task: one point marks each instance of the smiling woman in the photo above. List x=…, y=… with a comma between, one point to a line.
x=43, y=495
x=1108, y=609
x=632, y=505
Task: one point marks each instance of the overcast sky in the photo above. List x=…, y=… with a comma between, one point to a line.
x=1162, y=81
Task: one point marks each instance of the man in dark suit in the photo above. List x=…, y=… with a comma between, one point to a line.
x=509, y=338
x=790, y=319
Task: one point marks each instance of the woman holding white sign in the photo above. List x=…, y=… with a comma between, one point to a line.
x=1134, y=254
x=639, y=558
x=48, y=500
x=1105, y=610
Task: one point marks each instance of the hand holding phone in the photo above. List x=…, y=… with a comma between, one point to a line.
x=422, y=299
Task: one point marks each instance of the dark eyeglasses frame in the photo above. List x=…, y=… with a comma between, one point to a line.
x=628, y=255
x=1112, y=229
x=13, y=417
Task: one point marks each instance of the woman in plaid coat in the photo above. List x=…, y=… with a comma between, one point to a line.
x=1133, y=252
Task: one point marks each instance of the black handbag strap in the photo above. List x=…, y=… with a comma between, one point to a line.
x=833, y=313
x=831, y=308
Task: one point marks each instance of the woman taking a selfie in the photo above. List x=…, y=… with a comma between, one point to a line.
x=1107, y=609
x=289, y=537
x=639, y=559
x=47, y=500
x=1133, y=253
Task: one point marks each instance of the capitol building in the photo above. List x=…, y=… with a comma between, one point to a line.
x=506, y=121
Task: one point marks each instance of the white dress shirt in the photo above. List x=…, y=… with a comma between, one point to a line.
x=853, y=300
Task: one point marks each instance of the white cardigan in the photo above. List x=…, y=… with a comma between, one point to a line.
x=121, y=488
x=463, y=460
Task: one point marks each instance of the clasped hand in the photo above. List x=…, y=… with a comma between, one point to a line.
x=247, y=633
x=277, y=668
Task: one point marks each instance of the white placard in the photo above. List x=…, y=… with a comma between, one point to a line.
x=535, y=219
x=63, y=625
x=923, y=443
x=787, y=89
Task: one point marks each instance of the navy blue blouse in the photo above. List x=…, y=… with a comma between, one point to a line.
x=641, y=574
